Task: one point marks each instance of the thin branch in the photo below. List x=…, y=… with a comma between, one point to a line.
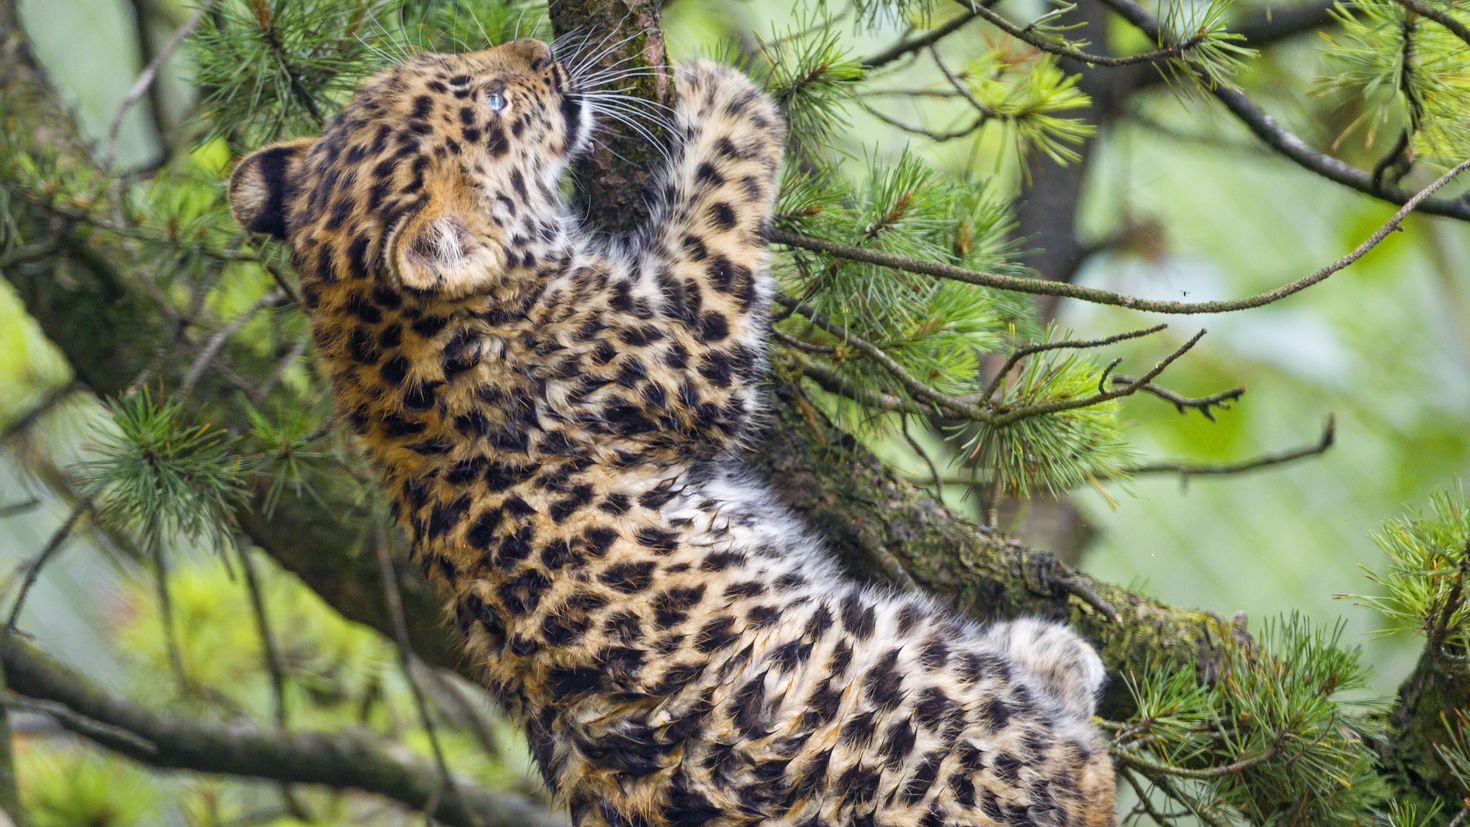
x=1072, y=583
x=166, y=614
x=799, y=344
x=1293, y=147
x=917, y=44
x=79, y=724
x=1141, y=794
x=1440, y=16
x=1031, y=350
x=1094, y=295
x=298, y=89
x=21, y=507
x=1028, y=34
x=993, y=415
x=918, y=449
x=27, y=253
x=963, y=91
x=273, y=667
x=1186, y=470
x=339, y=760
x=33, y=571
x=833, y=382
x=45, y=406
x=147, y=79
x=1203, y=404
x=10, y=808
x=406, y=661
x=914, y=385
x=211, y=348
x=1102, y=395
x=937, y=137
x=1136, y=761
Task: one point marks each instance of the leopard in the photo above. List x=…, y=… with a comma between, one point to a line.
x=559, y=419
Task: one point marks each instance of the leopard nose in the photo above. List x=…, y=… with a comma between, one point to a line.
x=534, y=52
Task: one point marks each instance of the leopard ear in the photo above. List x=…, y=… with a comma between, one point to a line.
x=444, y=248
x=262, y=186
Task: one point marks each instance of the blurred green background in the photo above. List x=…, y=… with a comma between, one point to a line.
x=1383, y=347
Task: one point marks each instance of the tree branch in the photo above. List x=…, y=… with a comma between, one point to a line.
x=1291, y=145
x=918, y=44
x=1029, y=35
x=339, y=760
x=1043, y=287
x=1440, y=16
x=1186, y=470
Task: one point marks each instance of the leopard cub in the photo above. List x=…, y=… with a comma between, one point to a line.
x=555, y=418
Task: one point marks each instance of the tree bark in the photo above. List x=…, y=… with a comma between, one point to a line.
x=615, y=180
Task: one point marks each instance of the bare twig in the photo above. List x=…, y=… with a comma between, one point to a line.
x=1203, y=404
x=918, y=449
x=9, y=789
x=924, y=132
x=1043, y=287
x=918, y=44
x=407, y=660
x=79, y=724
x=1054, y=575
x=211, y=348
x=1137, y=761
x=1187, y=470
x=166, y=614
x=792, y=341
x=1028, y=34
x=833, y=382
x=963, y=91
x=1141, y=794
x=298, y=89
x=21, y=507
x=147, y=78
x=294, y=352
x=1102, y=395
x=33, y=571
x=273, y=668
x=45, y=406
x=1031, y=350
x=1293, y=147
x=992, y=414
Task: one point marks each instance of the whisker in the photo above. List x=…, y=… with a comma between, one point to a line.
x=584, y=56
x=602, y=79
x=651, y=107
x=604, y=52
x=640, y=129
x=560, y=42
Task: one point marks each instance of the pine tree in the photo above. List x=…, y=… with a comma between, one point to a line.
x=909, y=276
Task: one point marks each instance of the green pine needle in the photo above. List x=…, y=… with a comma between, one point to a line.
x=159, y=476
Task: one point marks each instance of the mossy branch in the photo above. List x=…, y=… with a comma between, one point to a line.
x=339, y=760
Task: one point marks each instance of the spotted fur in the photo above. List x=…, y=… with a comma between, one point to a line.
x=554, y=417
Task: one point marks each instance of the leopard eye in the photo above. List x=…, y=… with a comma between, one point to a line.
x=497, y=102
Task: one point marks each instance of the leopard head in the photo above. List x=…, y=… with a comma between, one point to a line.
x=438, y=178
